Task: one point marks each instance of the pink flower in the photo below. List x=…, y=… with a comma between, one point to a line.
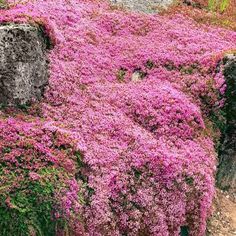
x=145, y=159
x=34, y=176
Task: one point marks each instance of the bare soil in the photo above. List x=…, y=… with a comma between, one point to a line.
x=223, y=219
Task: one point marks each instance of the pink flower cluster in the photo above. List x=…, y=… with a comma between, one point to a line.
x=147, y=161
x=28, y=150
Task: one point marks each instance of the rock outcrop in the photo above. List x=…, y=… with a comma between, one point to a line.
x=227, y=168
x=23, y=63
x=143, y=5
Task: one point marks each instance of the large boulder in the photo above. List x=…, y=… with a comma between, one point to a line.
x=23, y=63
x=227, y=168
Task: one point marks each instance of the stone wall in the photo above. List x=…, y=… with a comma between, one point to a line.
x=23, y=63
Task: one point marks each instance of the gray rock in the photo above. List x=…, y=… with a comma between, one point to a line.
x=23, y=63
x=150, y=6
x=138, y=75
x=226, y=176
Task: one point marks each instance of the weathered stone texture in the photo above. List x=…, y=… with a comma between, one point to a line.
x=143, y=5
x=23, y=63
x=227, y=169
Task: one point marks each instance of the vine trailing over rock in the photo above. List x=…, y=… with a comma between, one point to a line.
x=121, y=144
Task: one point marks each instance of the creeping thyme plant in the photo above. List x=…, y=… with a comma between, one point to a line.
x=108, y=155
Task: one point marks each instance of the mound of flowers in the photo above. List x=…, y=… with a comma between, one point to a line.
x=109, y=154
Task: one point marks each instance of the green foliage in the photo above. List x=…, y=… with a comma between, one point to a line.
x=188, y=70
x=6, y=149
x=23, y=107
x=219, y=120
x=212, y=4
x=29, y=209
x=150, y=64
x=189, y=180
x=184, y=231
x=79, y=159
x=121, y=74
x=222, y=5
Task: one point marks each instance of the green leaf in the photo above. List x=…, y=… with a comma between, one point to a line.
x=224, y=5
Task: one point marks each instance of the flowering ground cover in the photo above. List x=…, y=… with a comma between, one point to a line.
x=103, y=154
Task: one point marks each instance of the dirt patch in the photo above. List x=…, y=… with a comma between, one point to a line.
x=223, y=220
